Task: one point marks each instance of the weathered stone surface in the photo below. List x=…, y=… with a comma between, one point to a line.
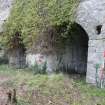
x=5, y=6
x=90, y=14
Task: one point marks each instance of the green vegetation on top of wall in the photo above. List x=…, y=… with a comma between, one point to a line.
x=31, y=17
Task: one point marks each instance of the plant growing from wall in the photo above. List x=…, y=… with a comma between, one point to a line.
x=39, y=69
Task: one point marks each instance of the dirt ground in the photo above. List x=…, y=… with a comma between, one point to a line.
x=70, y=95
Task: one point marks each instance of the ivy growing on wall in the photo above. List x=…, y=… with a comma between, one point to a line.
x=31, y=17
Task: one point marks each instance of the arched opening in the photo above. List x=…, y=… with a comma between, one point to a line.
x=70, y=52
x=78, y=50
x=17, y=52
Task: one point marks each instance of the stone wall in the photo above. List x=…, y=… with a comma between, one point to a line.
x=90, y=15
x=40, y=59
x=71, y=58
x=5, y=6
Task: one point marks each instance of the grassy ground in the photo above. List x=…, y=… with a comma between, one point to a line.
x=56, y=89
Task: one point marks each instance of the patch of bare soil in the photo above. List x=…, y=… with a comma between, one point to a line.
x=6, y=93
x=3, y=90
x=3, y=96
x=4, y=79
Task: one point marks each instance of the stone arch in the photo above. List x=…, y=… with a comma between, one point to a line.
x=78, y=49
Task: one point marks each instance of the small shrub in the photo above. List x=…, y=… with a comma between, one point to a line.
x=3, y=60
x=37, y=69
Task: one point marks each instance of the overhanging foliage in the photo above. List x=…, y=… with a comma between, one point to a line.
x=30, y=17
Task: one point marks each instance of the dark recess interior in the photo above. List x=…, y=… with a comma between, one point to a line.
x=98, y=29
x=78, y=48
x=17, y=52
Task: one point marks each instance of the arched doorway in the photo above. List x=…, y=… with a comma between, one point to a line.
x=78, y=45
x=16, y=53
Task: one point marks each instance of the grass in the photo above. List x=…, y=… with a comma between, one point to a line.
x=55, y=89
